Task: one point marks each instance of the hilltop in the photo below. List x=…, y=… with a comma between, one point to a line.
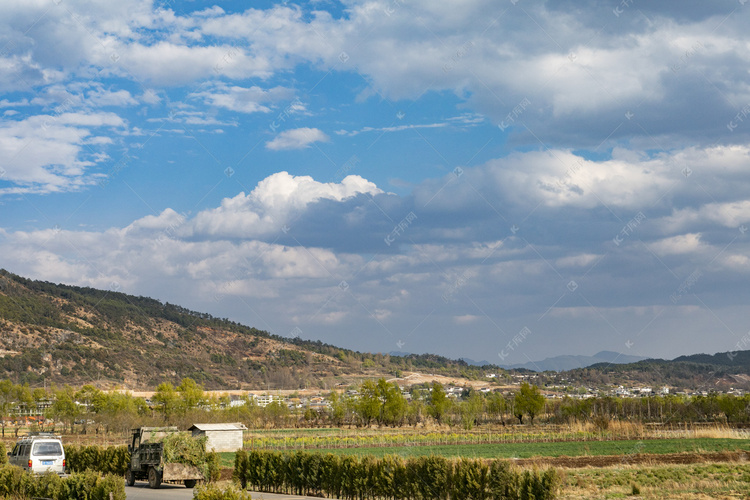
x=68, y=334
x=697, y=372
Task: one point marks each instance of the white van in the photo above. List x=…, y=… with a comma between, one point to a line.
x=39, y=453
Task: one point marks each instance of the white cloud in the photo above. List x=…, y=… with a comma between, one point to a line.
x=397, y=128
x=102, y=97
x=226, y=260
x=589, y=74
x=298, y=138
x=732, y=214
x=5, y=103
x=632, y=180
x=244, y=100
x=466, y=319
x=47, y=153
x=677, y=245
x=273, y=203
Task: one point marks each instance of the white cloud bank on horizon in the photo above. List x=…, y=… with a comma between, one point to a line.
x=244, y=251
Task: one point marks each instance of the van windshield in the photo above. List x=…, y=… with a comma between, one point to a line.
x=48, y=448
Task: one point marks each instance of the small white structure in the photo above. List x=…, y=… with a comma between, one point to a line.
x=220, y=437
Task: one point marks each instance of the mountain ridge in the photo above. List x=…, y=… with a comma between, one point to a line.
x=567, y=362
x=51, y=333
x=70, y=334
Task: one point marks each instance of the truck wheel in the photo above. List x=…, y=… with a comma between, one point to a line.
x=190, y=483
x=154, y=478
x=130, y=478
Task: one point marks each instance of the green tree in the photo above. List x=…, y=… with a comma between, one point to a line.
x=471, y=409
x=529, y=401
x=337, y=411
x=167, y=400
x=118, y=411
x=64, y=408
x=191, y=394
x=439, y=403
x=731, y=406
x=277, y=412
x=368, y=405
x=86, y=396
x=393, y=404
x=7, y=400
x=497, y=406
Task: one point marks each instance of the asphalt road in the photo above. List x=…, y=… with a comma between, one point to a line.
x=141, y=491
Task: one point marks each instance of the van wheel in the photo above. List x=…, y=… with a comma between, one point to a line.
x=190, y=483
x=130, y=478
x=154, y=478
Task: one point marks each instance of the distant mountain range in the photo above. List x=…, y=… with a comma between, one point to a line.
x=571, y=362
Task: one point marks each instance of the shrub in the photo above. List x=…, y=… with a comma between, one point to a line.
x=47, y=486
x=15, y=483
x=240, y=473
x=535, y=486
x=213, y=464
x=111, y=460
x=3, y=454
x=469, y=479
x=634, y=489
x=502, y=482
x=211, y=492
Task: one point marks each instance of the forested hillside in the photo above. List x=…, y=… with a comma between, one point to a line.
x=76, y=335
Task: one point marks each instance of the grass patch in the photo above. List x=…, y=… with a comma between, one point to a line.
x=673, y=481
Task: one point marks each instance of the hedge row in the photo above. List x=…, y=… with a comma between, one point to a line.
x=15, y=483
x=111, y=460
x=3, y=454
x=368, y=478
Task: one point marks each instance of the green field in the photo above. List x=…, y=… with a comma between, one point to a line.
x=572, y=449
x=529, y=450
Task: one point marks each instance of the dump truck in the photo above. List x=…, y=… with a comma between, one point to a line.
x=147, y=460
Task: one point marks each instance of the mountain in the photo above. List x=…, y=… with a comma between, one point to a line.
x=569, y=362
x=697, y=372
x=76, y=335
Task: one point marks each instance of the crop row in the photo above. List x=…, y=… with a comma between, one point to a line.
x=427, y=439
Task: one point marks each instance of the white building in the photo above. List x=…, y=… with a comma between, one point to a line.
x=266, y=399
x=220, y=437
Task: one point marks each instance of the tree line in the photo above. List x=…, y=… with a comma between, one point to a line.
x=373, y=402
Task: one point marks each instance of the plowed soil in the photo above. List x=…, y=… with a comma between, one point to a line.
x=635, y=459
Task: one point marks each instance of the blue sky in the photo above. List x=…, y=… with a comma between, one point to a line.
x=389, y=175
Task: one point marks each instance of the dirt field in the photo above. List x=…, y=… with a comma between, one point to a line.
x=635, y=459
